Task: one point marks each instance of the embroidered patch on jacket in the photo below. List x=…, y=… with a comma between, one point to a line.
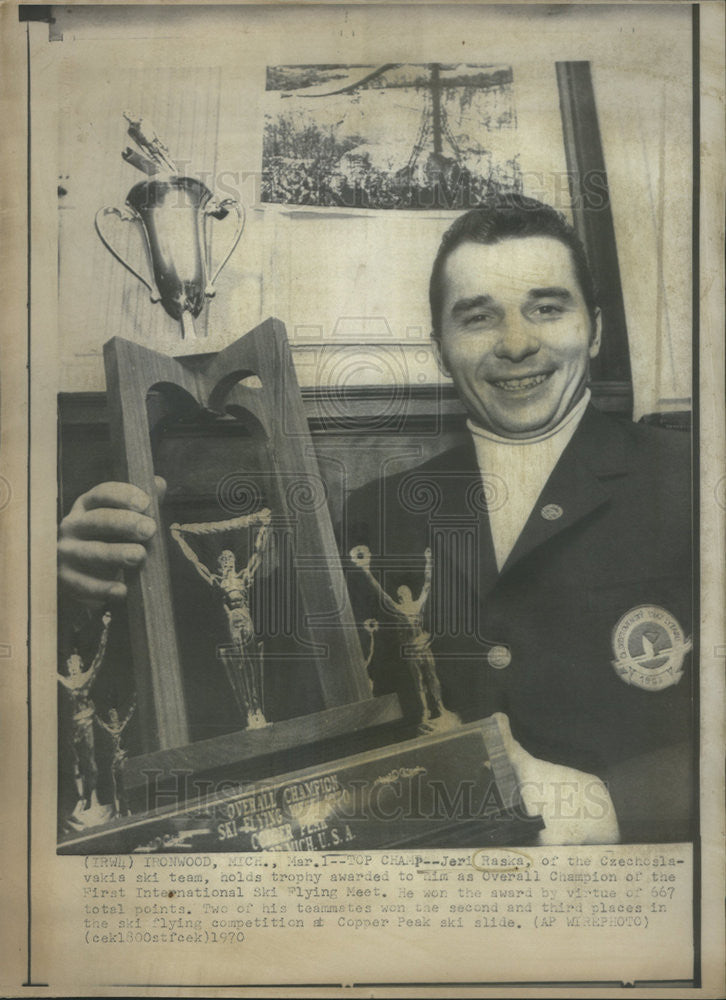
x=649, y=647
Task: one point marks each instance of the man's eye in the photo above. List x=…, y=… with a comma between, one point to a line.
x=477, y=318
x=548, y=309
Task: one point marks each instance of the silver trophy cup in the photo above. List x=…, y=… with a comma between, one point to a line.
x=175, y=213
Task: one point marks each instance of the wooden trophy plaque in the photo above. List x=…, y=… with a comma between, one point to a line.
x=229, y=434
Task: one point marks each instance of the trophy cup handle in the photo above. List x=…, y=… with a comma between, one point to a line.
x=126, y=216
x=218, y=210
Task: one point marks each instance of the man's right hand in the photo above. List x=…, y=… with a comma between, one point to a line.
x=576, y=807
x=105, y=532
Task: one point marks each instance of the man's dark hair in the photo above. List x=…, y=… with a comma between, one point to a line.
x=509, y=216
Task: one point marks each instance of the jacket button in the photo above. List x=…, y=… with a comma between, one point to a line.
x=551, y=511
x=499, y=657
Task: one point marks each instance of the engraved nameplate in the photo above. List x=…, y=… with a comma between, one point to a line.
x=443, y=789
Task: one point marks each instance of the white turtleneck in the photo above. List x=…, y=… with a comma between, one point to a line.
x=514, y=472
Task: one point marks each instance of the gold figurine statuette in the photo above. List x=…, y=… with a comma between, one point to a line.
x=242, y=656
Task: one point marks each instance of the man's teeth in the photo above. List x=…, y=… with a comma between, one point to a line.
x=520, y=383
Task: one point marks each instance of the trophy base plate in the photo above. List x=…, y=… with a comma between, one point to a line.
x=260, y=751
x=442, y=790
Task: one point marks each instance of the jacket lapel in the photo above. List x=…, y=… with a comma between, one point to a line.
x=578, y=485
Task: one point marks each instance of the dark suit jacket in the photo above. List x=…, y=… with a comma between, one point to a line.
x=614, y=537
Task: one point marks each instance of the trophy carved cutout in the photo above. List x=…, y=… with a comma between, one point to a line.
x=174, y=213
x=273, y=412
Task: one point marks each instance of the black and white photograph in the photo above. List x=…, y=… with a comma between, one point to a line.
x=375, y=498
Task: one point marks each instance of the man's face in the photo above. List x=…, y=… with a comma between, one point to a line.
x=516, y=335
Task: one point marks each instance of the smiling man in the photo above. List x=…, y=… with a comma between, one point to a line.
x=560, y=537
x=551, y=551
x=516, y=334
